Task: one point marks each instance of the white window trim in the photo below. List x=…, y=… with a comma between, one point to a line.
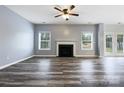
x=91, y=41
x=39, y=40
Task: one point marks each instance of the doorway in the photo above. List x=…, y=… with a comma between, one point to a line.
x=114, y=44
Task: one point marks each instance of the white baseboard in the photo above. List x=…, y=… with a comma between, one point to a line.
x=44, y=55
x=56, y=56
x=86, y=56
x=7, y=65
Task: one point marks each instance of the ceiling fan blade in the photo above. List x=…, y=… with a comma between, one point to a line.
x=58, y=15
x=58, y=9
x=59, y=6
x=72, y=7
x=73, y=14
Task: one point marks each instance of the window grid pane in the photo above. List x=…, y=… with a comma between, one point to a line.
x=108, y=43
x=44, y=44
x=120, y=43
x=45, y=36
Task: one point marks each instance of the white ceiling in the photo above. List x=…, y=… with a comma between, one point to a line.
x=92, y=14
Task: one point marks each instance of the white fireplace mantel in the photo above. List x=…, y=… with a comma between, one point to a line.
x=65, y=43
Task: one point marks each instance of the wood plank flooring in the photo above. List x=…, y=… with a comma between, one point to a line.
x=65, y=72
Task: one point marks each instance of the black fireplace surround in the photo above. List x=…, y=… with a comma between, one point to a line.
x=65, y=50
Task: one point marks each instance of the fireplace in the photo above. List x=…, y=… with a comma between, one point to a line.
x=65, y=50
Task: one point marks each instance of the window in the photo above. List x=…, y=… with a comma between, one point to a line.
x=86, y=41
x=114, y=43
x=45, y=40
x=120, y=43
x=108, y=43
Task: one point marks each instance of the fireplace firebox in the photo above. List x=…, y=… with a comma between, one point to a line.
x=65, y=50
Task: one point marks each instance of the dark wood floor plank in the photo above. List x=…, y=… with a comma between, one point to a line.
x=65, y=72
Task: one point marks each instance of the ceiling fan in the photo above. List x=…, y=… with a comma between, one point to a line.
x=66, y=13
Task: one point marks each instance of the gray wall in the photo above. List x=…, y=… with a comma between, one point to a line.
x=101, y=39
x=74, y=34
x=16, y=37
x=114, y=27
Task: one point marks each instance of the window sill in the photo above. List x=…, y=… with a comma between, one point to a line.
x=87, y=49
x=44, y=49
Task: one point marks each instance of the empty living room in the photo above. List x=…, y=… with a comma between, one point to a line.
x=61, y=45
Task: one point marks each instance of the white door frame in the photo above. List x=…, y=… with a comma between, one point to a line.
x=114, y=44
x=107, y=53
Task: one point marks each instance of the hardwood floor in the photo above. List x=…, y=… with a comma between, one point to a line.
x=64, y=72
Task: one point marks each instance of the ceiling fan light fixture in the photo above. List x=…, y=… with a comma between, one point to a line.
x=65, y=16
x=66, y=12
